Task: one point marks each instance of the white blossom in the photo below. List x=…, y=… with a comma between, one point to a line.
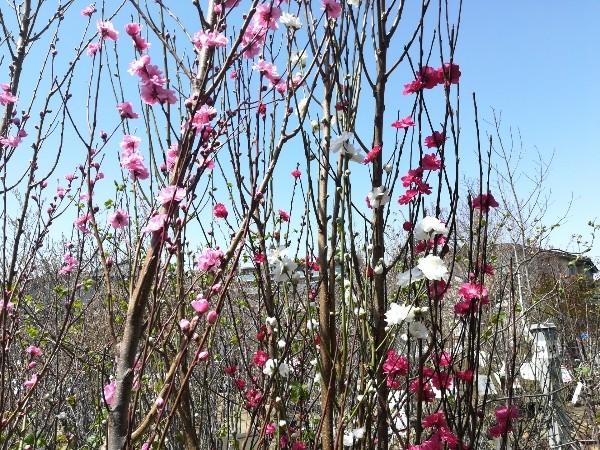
x=348, y=439
x=433, y=267
x=410, y=276
x=399, y=313
x=428, y=225
x=379, y=196
x=343, y=145
x=298, y=58
x=290, y=21
x=269, y=367
x=355, y=3
x=418, y=330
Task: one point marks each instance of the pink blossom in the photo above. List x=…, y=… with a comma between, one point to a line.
x=404, y=123
x=220, y=211
x=465, y=375
x=106, y=30
x=6, y=96
x=284, y=216
x=8, y=305
x=296, y=173
x=172, y=154
x=109, y=392
x=437, y=289
x=207, y=39
x=484, y=202
x=435, y=420
x=133, y=28
x=231, y=370
x=134, y=162
x=429, y=77
x=435, y=140
x=126, y=111
x=266, y=16
x=413, y=87
x=88, y=11
x=412, y=176
x=269, y=70
x=31, y=382
x=332, y=9
x=81, y=223
x=93, y=48
x=506, y=413
x=130, y=142
x=260, y=358
x=184, y=324
x=253, y=39
x=474, y=291
x=201, y=120
x=259, y=258
x=253, y=398
x=119, y=219
x=70, y=177
x=156, y=223
x=203, y=355
x=210, y=259
x=171, y=194
x=407, y=197
x=34, y=351
x=372, y=154
x=212, y=317
x=11, y=141
x=200, y=305
x=270, y=429
x=140, y=43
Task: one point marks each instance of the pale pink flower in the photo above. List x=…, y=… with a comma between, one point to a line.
x=210, y=259
x=266, y=16
x=6, y=95
x=268, y=70
x=184, y=324
x=212, y=317
x=109, y=392
x=130, y=142
x=140, y=43
x=156, y=223
x=81, y=223
x=106, y=30
x=172, y=154
x=171, y=194
x=34, y=351
x=332, y=9
x=207, y=39
x=31, y=382
x=119, y=219
x=200, y=305
x=88, y=11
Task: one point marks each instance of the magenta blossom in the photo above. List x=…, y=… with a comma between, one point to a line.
x=404, y=123
x=220, y=211
x=484, y=202
x=296, y=173
x=284, y=216
x=437, y=139
x=431, y=162
x=260, y=358
x=6, y=96
x=31, y=382
x=34, y=351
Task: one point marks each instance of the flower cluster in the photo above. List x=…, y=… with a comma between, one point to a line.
x=132, y=159
x=133, y=29
x=428, y=78
x=413, y=180
x=210, y=259
x=504, y=417
x=153, y=82
x=441, y=437
x=394, y=367
x=473, y=295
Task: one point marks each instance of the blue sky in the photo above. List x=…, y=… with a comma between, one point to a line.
x=538, y=63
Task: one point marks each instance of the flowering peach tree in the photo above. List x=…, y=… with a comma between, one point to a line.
x=236, y=221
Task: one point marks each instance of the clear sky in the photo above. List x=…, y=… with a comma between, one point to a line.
x=538, y=62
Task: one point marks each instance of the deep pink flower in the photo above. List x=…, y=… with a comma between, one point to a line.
x=404, y=123
x=156, y=223
x=140, y=43
x=284, y=216
x=372, y=154
x=106, y=30
x=407, y=197
x=436, y=419
x=506, y=413
x=270, y=429
x=231, y=370
x=437, y=289
x=449, y=74
x=332, y=9
x=296, y=173
x=484, y=202
x=465, y=307
x=465, y=375
x=119, y=219
x=253, y=398
x=412, y=176
x=474, y=291
x=133, y=28
x=220, y=211
x=260, y=358
x=413, y=87
x=259, y=258
x=431, y=162
x=499, y=429
x=430, y=77
x=441, y=380
x=437, y=139
x=240, y=384
x=126, y=111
